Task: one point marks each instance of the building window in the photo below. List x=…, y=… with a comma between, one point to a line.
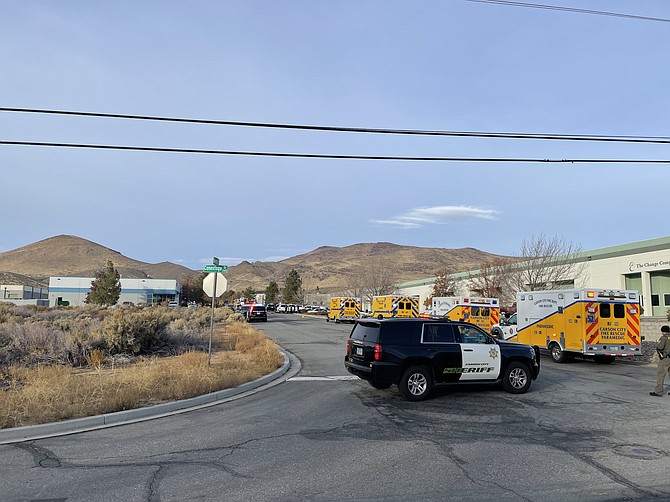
x=655, y=301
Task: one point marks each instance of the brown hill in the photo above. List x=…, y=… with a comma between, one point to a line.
x=67, y=255
x=333, y=269
x=8, y=278
x=330, y=269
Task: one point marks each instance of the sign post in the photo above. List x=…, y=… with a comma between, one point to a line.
x=209, y=286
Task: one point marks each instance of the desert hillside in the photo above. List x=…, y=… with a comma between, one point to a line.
x=330, y=269
x=68, y=255
x=333, y=268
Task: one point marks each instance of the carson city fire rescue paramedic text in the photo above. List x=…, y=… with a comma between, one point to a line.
x=663, y=349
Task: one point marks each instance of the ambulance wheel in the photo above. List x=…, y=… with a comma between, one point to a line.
x=558, y=355
x=604, y=359
x=517, y=378
x=415, y=383
x=380, y=317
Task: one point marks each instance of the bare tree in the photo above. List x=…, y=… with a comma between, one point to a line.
x=492, y=280
x=354, y=287
x=445, y=285
x=376, y=279
x=548, y=263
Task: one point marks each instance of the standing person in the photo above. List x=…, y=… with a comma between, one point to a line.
x=663, y=349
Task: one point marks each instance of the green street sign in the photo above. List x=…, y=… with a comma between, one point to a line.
x=214, y=268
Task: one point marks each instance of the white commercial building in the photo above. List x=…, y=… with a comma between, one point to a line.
x=642, y=266
x=73, y=290
x=24, y=295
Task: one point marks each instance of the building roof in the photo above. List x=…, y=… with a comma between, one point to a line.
x=646, y=246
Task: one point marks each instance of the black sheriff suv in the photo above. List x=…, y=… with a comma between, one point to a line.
x=417, y=354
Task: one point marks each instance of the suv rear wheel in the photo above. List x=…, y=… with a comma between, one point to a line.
x=416, y=383
x=517, y=378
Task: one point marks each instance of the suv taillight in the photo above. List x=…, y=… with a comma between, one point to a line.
x=378, y=351
x=348, y=346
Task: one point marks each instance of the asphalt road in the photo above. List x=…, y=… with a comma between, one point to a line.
x=583, y=432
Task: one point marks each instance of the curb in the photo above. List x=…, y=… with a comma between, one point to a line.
x=290, y=367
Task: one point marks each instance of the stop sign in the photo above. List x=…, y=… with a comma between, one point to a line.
x=208, y=285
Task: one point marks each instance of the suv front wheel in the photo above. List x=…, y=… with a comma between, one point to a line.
x=415, y=383
x=517, y=378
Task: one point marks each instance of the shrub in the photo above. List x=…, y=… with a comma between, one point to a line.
x=31, y=336
x=133, y=332
x=44, y=394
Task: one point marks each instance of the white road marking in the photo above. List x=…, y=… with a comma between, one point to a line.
x=321, y=378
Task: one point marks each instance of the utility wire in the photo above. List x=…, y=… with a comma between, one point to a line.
x=570, y=9
x=416, y=132
x=331, y=156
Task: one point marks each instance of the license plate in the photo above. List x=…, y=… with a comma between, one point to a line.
x=359, y=351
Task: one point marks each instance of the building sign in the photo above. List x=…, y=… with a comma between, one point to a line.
x=636, y=266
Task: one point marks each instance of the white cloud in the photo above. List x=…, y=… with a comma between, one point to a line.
x=399, y=222
x=438, y=215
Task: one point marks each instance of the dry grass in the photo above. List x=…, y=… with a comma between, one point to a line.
x=51, y=393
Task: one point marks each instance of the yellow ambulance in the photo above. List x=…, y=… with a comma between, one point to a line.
x=600, y=323
x=388, y=306
x=344, y=309
x=482, y=312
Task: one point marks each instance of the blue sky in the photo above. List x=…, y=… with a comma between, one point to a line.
x=444, y=65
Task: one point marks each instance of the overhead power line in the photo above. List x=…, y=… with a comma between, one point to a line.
x=570, y=9
x=415, y=132
x=331, y=156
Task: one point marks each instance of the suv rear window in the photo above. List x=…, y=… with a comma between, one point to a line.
x=401, y=333
x=366, y=331
x=259, y=308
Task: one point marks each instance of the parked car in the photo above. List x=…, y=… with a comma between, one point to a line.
x=417, y=354
x=173, y=305
x=254, y=312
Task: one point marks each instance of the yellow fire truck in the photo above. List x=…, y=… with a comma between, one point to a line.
x=601, y=323
x=483, y=312
x=395, y=306
x=344, y=309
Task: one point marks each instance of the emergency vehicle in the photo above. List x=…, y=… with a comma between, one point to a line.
x=344, y=309
x=395, y=306
x=482, y=312
x=601, y=323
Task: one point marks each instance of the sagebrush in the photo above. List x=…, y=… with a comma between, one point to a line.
x=74, y=362
x=32, y=335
